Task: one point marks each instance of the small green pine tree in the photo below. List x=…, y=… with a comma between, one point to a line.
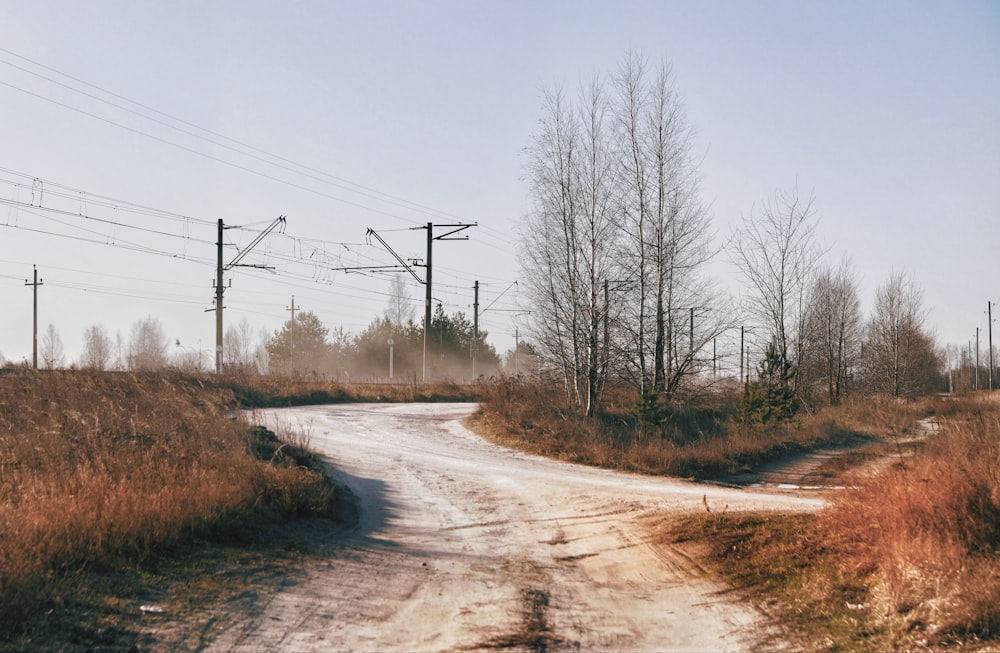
x=652, y=410
x=771, y=397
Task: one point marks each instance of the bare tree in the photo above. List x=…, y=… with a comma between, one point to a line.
x=832, y=333
x=147, y=346
x=120, y=361
x=240, y=346
x=550, y=244
x=636, y=195
x=614, y=202
x=666, y=231
x=598, y=207
x=97, y=348
x=261, y=356
x=899, y=356
x=399, y=310
x=189, y=359
x=52, y=351
x=775, y=248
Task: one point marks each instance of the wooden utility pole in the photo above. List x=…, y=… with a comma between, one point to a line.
x=291, y=337
x=34, y=323
x=606, y=362
x=691, y=338
x=989, y=324
x=517, y=345
x=977, y=358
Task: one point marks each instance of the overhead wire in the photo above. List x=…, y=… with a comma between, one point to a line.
x=312, y=173
x=376, y=194
x=99, y=200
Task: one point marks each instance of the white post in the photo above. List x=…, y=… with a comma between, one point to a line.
x=391, y=343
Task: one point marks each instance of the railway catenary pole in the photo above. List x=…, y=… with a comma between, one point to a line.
x=475, y=328
x=220, y=289
x=218, y=301
x=427, y=300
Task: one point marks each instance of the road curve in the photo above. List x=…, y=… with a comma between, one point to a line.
x=465, y=545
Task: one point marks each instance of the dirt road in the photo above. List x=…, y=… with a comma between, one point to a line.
x=464, y=545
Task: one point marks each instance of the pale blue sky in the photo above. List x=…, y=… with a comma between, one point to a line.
x=886, y=111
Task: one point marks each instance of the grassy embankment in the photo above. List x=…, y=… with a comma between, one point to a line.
x=905, y=559
x=115, y=485
x=908, y=557
x=700, y=440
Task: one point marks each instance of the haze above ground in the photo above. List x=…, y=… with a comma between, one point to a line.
x=390, y=115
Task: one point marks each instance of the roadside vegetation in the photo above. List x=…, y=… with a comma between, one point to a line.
x=119, y=486
x=276, y=390
x=703, y=437
x=906, y=558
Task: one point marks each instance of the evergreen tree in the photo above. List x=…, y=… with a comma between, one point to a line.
x=771, y=398
x=299, y=346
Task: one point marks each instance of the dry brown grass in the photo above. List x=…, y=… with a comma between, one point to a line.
x=930, y=525
x=103, y=470
x=700, y=439
x=908, y=558
x=260, y=391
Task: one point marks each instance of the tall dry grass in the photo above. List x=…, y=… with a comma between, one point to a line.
x=906, y=558
x=274, y=390
x=700, y=438
x=99, y=470
x=930, y=526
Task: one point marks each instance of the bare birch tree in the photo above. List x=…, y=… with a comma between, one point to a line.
x=399, y=310
x=776, y=250
x=240, y=346
x=632, y=103
x=667, y=230
x=832, y=333
x=52, y=352
x=550, y=242
x=97, y=348
x=147, y=346
x=597, y=207
x=614, y=201
x=899, y=354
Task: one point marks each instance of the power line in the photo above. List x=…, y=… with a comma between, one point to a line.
x=113, y=223
x=363, y=190
x=298, y=169
x=131, y=247
x=101, y=200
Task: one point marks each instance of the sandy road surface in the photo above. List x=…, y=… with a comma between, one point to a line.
x=464, y=545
